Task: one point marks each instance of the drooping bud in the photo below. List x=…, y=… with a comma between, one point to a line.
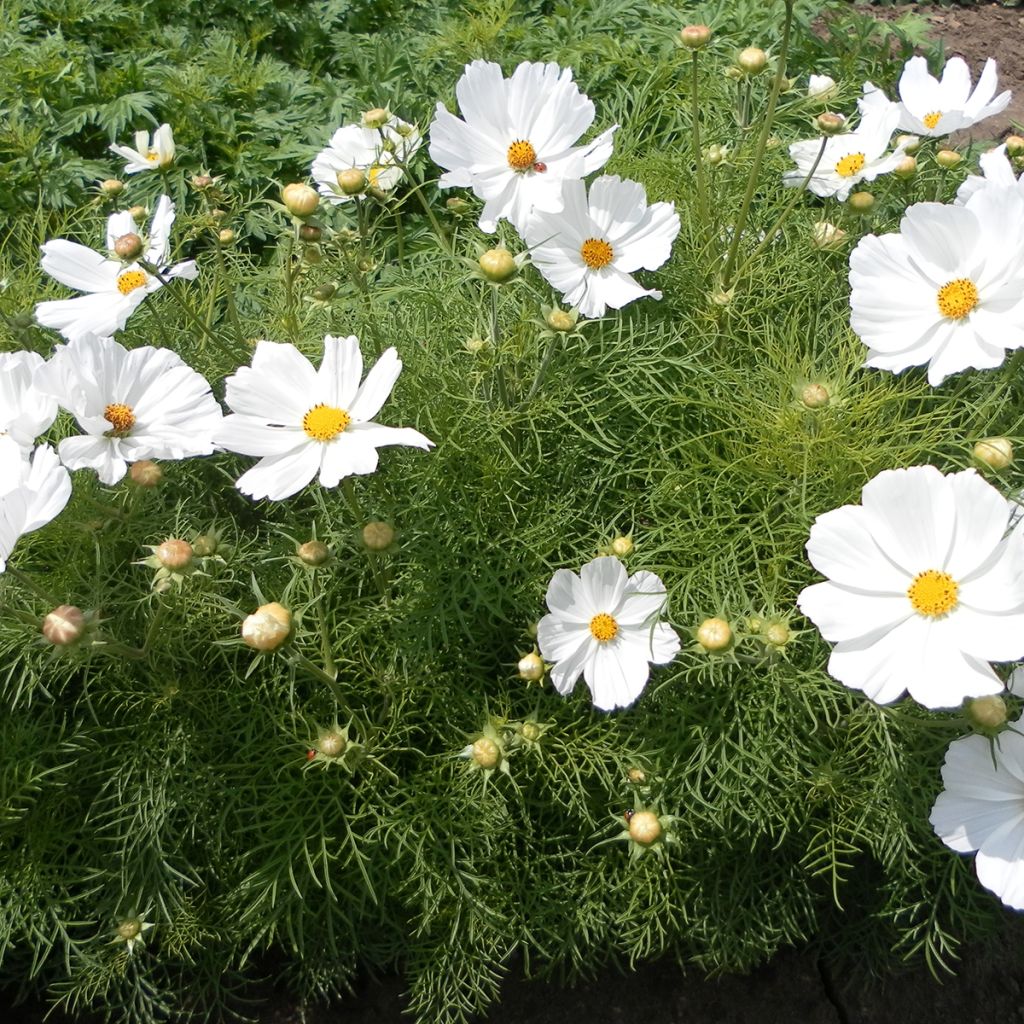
x=714, y=635
x=645, y=828
x=175, y=554
x=498, y=265
x=829, y=123
x=378, y=535
x=906, y=168
x=695, y=37
x=995, y=452
x=351, y=181
x=1014, y=145
x=64, y=626
x=310, y=233
x=622, y=546
x=314, y=552
x=377, y=117
x=145, y=473
x=486, y=752
x=987, y=713
x=825, y=235
x=947, y=159
x=268, y=627
x=300, y=200
x=111, y=187
x=814, y=396
x=752, y=61
x=531, y=667
x=128, y=247
x=861, y=202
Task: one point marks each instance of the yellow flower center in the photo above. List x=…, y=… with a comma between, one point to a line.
x=521, y=155
x=933, y=593
x=130, y=280
x=374, y=173
x=325, y=423
x=850, y=165
x=957, y=298
x=596, y=253
x=120, y=417
x=603, y=627
x=932, y=119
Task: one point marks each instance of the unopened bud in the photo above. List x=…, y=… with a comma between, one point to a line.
x=332, y=744
x=947, y=159
x=622, y=546
x=217, y=214
x=111, y=187
x=458, y=206
x=825, y=235
x=829, y=123
x=559, y=320
x=645, y=828
x=637, y=776
x=324, y=292
x=531, y=732
x=695, y=37
x=300, y=200
x=910, y=143
x=175, y=554
x=486, y=752
x=861, y=202
x=475, y=345
x=498, y=265
x=1015, y=145
x=64, y=625
x=378, y=535
x=531, y=667
x=206, y=544
x=225, y=236
x=716, y=154
x=145, y=473
x=314, y=552
x=138, y=213
x=714, y=635
x=128, y=247
x=995, y=452
x=377, y=117
x=777, y=634
x=821, y=87
x=312, y=255
x=201, y=181
x=310, y=233
x=815, y=396
x=906, y=168
x=752, y=60
x=987, y=712
x=351, y=181
x=268, y=627
x=129, y=929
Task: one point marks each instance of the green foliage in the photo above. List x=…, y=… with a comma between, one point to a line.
x=165, y=773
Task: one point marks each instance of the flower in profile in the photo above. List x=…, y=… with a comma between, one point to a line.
x=516, y=141
x=847, y=159
x=114, y=288
x=154, y=153
x=143, y=403
x=996, y=171
x=376, y=152
x=589, y=250
x=606, y=627
x=25, y=412
x=979, y=809
x=932, y=106
x=946, y=290
x=923, y=589
x=301, y=421
x=32, y=492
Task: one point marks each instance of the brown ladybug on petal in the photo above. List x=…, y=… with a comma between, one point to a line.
x=539, y=167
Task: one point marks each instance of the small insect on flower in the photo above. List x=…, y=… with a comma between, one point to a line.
x=628, y=815
x=540, y=167
x=310, y=754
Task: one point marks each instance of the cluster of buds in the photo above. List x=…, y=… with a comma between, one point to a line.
x=489, y=750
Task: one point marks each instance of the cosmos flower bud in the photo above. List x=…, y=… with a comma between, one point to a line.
x=206, y=544
x=129, y=929
x=987, y=713
x=352, y=181
x=486, y=752
x=1015, y=145
x=324, y=292
x=714, y=635
x=752, y=60
x=910, y=143
x=814, y=396
x=995, y=452
x=175, y=554
x=531, y=731
x=716, y=154
x=376, y=118
x=531, y=667
x=559, y=320
x=645, y=828
x=111, y=187
x=314, y=552
x=458, y=206
x=825, y=235
x=138, y=213
x=225, y=236
x=861, y=202
x=64, y=626
x=622, y=546
x=332, y=744
x=378, y=535
x=821, y=87
x=906, y=168
x=777, y=634
x=498, y=265
x=300, y=200
x=268, y=627
x=310, y=233
x=201, y=181
x=695, y=37
x=474, y=345
x=637, y=776
x=145, y=473
x=829, y=123
x=128, y=247
x=312, y=255
x=947, y=159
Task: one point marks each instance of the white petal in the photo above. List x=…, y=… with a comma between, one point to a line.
x=616, y=676
x=841, y=547
x=340, y=371
x=97, y=453
x=603, y=583
x=279, y=476
x=377, y=387
x=78, y=267
x=844, y=614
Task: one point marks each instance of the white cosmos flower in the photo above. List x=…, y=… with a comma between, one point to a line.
x=371, y=150
x=25, y=412
x=923, y=587
x=934, y=107
x=302, y=421
x=606, y=627
x=31, y=492
x=947, y=290
x=149, y=154
x=847, y=159
x=981, y=808
x=143, y=403
x=516, y=141
x=114, y=289
x=996, y=171
x=589, y=250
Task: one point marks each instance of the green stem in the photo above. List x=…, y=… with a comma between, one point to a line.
x=542, y=369
x=229, y=295
x=30, y=584
x=762, y=144
x=417, y=187
x=185, y=306
x=499, y=370
x=291, y=321
x=324, y=677
x=698, y=157
x=325, y=640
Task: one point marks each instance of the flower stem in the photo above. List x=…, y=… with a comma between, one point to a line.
x=186, y=307
x=499, y=370
x=698, y=157
x=229, y=295
x=542, y=369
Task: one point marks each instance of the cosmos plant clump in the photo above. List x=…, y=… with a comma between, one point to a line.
x=563, y=517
